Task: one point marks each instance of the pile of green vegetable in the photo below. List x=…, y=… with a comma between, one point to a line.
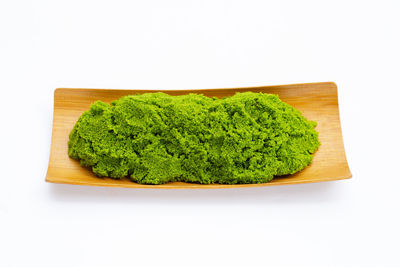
x=155, y=138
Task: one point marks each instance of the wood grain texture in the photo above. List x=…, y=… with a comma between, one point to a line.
x=317, y=101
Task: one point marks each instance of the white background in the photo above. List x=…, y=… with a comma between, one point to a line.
x=200, y=44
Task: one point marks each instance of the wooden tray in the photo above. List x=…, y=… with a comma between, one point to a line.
x=317, y=101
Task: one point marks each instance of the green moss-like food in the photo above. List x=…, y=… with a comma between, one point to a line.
x=155, y=138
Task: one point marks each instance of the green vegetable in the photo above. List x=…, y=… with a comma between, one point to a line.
x=155, y=138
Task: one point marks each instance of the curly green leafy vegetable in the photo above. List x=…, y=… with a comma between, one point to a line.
x=155, y=138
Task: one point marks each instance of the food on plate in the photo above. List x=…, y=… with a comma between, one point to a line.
x=156, y=138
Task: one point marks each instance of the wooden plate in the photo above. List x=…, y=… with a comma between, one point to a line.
x=317, y=101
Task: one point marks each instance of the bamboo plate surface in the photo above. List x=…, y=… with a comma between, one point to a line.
x=317, y=101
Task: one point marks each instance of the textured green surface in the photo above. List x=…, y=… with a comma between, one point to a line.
x=155, y=138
